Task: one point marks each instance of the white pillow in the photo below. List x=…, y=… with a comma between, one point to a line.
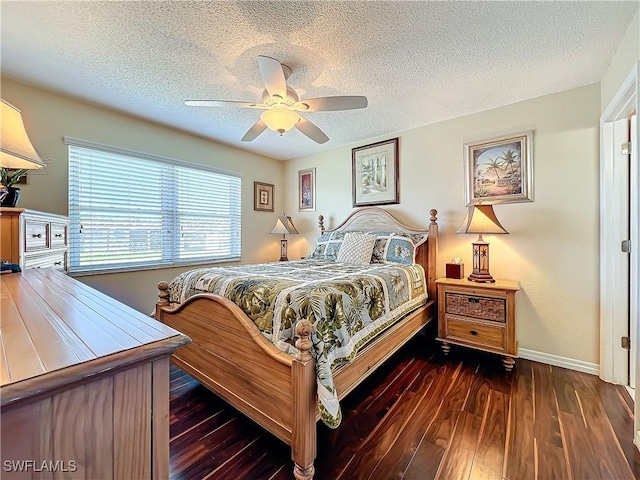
x=356, y=248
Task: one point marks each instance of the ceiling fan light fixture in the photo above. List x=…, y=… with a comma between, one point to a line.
x=280, y=120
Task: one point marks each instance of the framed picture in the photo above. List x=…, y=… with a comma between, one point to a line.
x=375, y=174
x=499, y=170
x=307, y=189
x=262, y=197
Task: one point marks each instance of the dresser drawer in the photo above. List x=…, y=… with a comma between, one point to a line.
x=58, y=235
x=482, y=335
x=485, y=308
x=36, y=235
x=49, y=260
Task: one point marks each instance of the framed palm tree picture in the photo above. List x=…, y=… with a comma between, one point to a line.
x=499, y=170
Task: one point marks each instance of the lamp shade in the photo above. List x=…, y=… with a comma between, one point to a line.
x=481, y=219
x=284, y=225
x=16, y=150
x=280, y=119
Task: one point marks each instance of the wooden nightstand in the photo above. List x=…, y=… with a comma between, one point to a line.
x=479, y=315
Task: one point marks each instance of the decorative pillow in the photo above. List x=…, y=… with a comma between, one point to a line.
x=382, y=254
x=328, y=245
x=378, y=249
x=356, y=248
x=321, y=245
x=400, y=250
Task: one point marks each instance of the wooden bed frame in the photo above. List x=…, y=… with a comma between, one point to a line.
x=230, y=356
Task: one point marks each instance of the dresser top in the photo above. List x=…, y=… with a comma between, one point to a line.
x=56, y=330
x=14, y=211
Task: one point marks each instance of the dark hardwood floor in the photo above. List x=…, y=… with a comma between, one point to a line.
x=424, y=416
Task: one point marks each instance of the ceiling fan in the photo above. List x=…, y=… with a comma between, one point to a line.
x=281, y=104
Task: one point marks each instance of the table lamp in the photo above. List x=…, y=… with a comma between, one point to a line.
x=16, y=151
x=481, y=219
x=283, y=226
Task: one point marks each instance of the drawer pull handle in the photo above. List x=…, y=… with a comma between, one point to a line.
x=58, y=263
x=473, y=332
x=58, y=235
x=473, y=300
x=36, y=235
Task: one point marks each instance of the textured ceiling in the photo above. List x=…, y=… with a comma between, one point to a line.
x=417, y=62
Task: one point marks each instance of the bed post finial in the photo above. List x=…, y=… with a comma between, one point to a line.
x=304, y=328
x=163, y=294
x=320, y=224
x=434, y=215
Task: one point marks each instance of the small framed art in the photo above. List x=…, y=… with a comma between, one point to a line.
x=375, y=170
x=263, y=197
x=499, y=170
x=307, y=189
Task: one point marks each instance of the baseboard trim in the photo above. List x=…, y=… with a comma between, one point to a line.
x=558, y=361
x=631, y=392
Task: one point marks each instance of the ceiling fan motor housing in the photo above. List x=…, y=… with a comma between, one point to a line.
x=275, y=101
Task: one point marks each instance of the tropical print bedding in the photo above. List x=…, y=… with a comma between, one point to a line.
x=347, y=304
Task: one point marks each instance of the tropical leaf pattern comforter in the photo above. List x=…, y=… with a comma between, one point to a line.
x=347, y=304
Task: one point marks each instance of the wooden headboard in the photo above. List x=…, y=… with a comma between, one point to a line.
x=370, y=219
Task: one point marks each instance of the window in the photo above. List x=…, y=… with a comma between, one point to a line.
x=130, y=210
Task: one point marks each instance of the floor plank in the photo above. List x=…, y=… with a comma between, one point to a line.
x=423, y=416
x=458, y=457
x=489, y=454
x=546, y=429
x=520, y=450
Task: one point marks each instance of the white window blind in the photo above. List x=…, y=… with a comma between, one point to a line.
x=130, y=210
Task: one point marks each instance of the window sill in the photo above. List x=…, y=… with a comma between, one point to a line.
x=164, y=266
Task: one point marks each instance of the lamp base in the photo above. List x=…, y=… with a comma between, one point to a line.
x=283, y=249
x=481, y=278
x=480, y=273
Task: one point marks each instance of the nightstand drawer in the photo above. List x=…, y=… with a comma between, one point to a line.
x=485, y=308
x=483, y=335
x=36, y=236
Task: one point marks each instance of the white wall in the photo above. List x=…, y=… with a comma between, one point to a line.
x=49, y=117
x=553, y=244
x=625, y=58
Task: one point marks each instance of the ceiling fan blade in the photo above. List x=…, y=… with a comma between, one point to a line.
x=311, y=131
x=222, y=103
x=272, y=76
x=254, y=131
x=328, y=104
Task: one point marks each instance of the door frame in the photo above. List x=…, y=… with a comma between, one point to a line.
x=614, y=365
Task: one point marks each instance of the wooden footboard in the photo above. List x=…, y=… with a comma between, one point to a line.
x=231, y=357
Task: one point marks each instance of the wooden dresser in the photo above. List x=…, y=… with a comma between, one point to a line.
x=33, y=239
x=84, y=382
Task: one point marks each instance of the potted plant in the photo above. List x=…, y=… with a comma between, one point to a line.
x=9, y=195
